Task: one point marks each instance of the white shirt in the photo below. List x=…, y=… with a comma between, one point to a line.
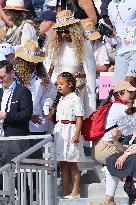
x=116, y=111
x=41, y=97
x=28, y=33
x=101, y=53
x=122, y=16
x=5, y=97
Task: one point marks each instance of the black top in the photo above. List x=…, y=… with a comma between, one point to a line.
x=78, y=11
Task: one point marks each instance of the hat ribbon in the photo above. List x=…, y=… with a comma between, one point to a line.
x=61, y=20
x=32, y=53
x=90, y=31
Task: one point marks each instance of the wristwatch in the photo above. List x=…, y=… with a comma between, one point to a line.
x=128, y=153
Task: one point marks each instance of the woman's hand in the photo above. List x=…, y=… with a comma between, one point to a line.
x=120, y=161
x=115, y=132
x=75, y=138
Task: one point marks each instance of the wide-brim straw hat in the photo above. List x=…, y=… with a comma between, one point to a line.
x=65, y=18
x=30, y=52
x=90, y=31
x=15, y=5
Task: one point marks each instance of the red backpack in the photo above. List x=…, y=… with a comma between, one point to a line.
x=93, y=127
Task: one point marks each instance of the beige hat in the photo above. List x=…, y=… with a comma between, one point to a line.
x=123, y=85
x=90, y=31
x=15, y=5
x=65, y=18
x=30, y=52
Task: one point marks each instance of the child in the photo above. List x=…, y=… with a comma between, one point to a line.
x=69, y=143
x=123, y=93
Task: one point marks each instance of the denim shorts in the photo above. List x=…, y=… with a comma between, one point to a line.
x=125, y=65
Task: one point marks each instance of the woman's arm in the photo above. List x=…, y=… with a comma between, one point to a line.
x=117, y=144
x=88, y=7
x=120, y=161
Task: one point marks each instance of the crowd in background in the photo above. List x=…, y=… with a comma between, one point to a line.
x=52, y=54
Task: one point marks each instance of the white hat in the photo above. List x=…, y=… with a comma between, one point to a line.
x=52, y=3
x=2, y=57
x=6, y=49
x=123, y=85
x=15, y=5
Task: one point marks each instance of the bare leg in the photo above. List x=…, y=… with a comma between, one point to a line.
x=75, y=174
x=65, y=177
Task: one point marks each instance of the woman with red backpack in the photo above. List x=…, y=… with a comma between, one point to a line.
x=123, y=93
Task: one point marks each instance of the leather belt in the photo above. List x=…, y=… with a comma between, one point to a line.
x=67, y=122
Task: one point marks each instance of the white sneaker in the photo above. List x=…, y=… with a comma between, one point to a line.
x=72, y=197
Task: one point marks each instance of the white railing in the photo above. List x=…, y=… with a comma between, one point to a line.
x=18, y=175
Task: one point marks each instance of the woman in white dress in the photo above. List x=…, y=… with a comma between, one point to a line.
x=67, y=132
x=69, y=51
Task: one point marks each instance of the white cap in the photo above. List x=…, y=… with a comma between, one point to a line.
x=6, y=49
x=52, y=3
x=2, y=57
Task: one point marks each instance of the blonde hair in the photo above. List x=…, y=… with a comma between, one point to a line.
x=23, y=72
x=77, y=39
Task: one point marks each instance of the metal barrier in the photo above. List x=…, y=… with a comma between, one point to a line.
x=18, y=175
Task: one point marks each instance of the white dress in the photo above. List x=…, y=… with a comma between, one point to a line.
x=68, y=108
x=68, y=64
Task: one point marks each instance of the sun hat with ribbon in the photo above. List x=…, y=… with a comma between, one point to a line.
x=65, y=18
x=15, y=5
x=90, y=31
x=30, y=52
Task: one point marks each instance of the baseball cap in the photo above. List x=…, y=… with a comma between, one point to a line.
x=6, y=49
x=47, y=15
x=123, y=85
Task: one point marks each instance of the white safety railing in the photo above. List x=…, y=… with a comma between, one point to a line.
x=19, y=174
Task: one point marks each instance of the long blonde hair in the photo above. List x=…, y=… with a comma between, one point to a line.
x=77, y=39
x=23, y=72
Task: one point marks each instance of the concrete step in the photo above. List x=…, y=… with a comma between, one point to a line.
x=95, y=192
x=119, y=201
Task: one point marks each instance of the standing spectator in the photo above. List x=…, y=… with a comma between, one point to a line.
x=67, y=133
x=122, y=14
x=45, y=21
x=70, y=52
x=15, y=112
x=31, y=73
x=23, y=29
x=82, y=9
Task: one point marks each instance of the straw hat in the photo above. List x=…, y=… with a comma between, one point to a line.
x=65, y=18
x=15, y=5
x=123, y=85
x=30, y=52
x=90, y=31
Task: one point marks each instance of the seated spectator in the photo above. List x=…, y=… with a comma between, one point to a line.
x=123, y=93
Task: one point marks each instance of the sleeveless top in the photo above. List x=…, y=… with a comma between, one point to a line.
x=78, y=11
